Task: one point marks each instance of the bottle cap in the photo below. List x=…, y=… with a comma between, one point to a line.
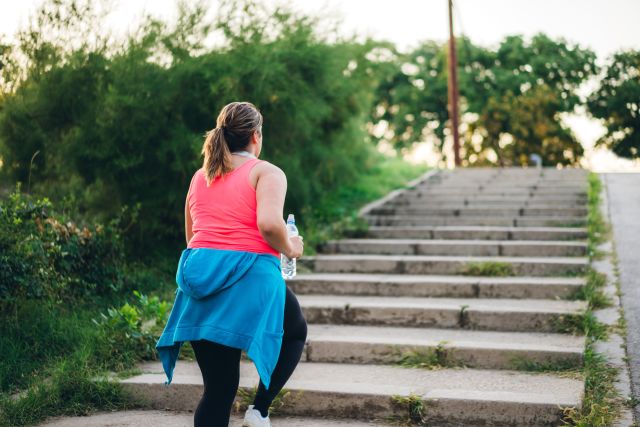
x=291, y=219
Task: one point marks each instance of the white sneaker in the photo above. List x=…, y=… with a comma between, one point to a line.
x=253, y=418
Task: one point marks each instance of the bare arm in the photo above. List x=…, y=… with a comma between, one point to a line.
x=188, y=223
x=271, y=189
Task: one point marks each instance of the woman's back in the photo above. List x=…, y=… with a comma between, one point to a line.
x=224, y=213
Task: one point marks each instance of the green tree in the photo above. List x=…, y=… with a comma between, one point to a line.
x=513, y=94
x=122, y=124
x=617, y=103
x=412, y=96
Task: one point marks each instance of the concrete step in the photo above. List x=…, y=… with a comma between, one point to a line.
x=493, y=192
x=395, y=285
x=409, y=198
x=516, y=187
x=470, y=211
x=492, y=183
x=516, y=205
x=504, y=182
x=430, y=264
x=522, y=315
x=479, y=233
x=519, y=221
x=512, y=248
x=446, y=348
x=452, y=397
x=162, y=418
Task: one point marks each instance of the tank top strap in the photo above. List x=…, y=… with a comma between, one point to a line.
x=244, y=170
x=252, y=163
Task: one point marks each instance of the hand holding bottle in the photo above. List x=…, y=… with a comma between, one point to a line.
x=288, y=263
x=297, y=247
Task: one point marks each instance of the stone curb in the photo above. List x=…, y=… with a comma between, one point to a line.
x=614, y=348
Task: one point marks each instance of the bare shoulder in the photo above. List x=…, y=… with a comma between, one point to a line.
x=266, y=168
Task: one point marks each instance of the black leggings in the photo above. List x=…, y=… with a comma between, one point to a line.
x=220, y=366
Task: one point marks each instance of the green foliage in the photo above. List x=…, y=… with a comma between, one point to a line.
x=564, y=366
x=489, y=268
x=596, y=226
x=34, y=333
x=336, y=213
x=592, y=291
x=433, y=358
x=414, y=408
x=247, y=396
x=129, y=333
x=49, y=359
x=601, y=403
x=44, y=254
x=123, y=125
x=69, y=389
x=511, y=98
x=616, y=103
x=580, y=324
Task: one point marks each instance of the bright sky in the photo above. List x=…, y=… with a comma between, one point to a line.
x=604, y=26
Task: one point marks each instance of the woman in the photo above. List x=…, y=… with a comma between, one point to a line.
x=231, y=295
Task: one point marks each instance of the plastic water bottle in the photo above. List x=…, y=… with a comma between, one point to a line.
x=288, y=266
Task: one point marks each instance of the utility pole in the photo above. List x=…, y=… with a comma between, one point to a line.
x=453, y=88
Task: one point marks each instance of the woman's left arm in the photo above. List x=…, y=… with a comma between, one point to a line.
x=188, y=223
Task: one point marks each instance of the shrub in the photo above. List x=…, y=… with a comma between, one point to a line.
x=129, y=333
x=46, y=255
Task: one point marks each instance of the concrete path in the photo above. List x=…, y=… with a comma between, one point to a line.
x=624, y=209
x=139, y=418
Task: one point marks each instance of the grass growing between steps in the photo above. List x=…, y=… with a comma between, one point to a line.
x=489, y=269
x=412, y=408
x=593, y=291
x=438, y=357
x=601, y=403
x=335, y=215
x=597, y=228
x=562, y=368
x=246, y=397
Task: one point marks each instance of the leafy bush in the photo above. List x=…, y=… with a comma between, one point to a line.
x=129, y=333
x=122, y=123
x=46, y=255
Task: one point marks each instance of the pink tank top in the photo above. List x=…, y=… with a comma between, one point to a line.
x=224, y=214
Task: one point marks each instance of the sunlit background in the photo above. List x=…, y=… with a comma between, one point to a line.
x=603, y=26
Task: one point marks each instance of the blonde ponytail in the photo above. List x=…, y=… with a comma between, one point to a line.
x=217, y=157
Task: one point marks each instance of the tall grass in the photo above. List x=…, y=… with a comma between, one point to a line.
x=601, y=402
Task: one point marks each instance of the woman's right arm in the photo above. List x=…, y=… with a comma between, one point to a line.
x=271, y=190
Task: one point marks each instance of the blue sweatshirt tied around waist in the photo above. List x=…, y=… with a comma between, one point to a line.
x=230, y=297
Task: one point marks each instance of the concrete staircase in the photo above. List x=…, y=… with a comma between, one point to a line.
x=414, y=289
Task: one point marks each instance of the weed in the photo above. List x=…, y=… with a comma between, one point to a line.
x=580, y=324
x=592, y=291
x=565, y=366
x=432, y=358
x=247, y=396
x=489, y=268
x=598, y=230
x=464, y=318
x=602, y=402
x=413, y=407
